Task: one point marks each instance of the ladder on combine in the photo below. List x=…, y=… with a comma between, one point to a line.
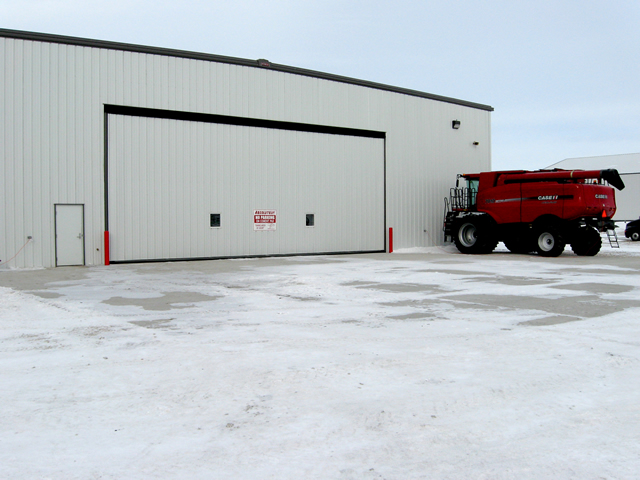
x=460, y=200
x=613, y=238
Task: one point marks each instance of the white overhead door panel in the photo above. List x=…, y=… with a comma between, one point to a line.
x=167, y=177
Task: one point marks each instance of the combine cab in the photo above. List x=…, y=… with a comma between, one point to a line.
x=540, y=211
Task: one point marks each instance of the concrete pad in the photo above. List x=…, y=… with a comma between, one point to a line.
x=263, y=367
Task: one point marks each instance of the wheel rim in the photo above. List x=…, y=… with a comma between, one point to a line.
x=635, y=236
x=467, y=235
x=546, y=241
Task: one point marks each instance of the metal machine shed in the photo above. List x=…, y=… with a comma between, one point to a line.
x=628, y=165
x=158, y=154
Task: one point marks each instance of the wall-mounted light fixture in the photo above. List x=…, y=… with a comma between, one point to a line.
x=455, y=124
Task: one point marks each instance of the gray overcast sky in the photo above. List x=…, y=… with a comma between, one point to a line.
x=563, y=76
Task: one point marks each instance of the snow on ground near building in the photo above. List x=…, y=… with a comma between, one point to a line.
x=409, y=366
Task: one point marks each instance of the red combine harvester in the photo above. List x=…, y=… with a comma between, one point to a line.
x=538, y=211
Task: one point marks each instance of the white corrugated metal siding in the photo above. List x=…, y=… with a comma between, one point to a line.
x=52, y=120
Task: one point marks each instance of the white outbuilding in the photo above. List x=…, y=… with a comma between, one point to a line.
x=628, y=166
x=112, y=152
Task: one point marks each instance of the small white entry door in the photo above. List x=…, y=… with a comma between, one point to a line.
x=69, y=235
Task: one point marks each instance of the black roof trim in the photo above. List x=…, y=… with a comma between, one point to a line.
x=128, y=47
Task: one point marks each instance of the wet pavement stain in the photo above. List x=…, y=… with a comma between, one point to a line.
x=414, y=316
x=595, y=287
x=589, y=306
x=555, y=320
x=397, y=287
x=45, y=294
x=160, y=323
x=512, y=281
x=167, y=301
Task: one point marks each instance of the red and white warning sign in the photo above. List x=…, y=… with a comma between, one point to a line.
x=264, y=220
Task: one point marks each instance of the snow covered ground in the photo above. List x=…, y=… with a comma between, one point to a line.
x=428, y=365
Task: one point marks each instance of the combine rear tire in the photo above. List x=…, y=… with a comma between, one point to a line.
x=548, y=242
x=474, y=235
x=587, y=242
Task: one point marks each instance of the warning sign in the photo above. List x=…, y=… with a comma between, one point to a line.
x=264, y=220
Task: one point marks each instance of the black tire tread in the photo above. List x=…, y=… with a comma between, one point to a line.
x=587, y=242
x=486, y=240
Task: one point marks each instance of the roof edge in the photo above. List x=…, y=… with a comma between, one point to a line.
x=129, y=47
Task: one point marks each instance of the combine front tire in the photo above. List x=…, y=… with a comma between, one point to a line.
x=587, y=242
x=474, y=235
x=548, y=242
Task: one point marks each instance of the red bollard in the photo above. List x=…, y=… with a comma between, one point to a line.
x=106, y=248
